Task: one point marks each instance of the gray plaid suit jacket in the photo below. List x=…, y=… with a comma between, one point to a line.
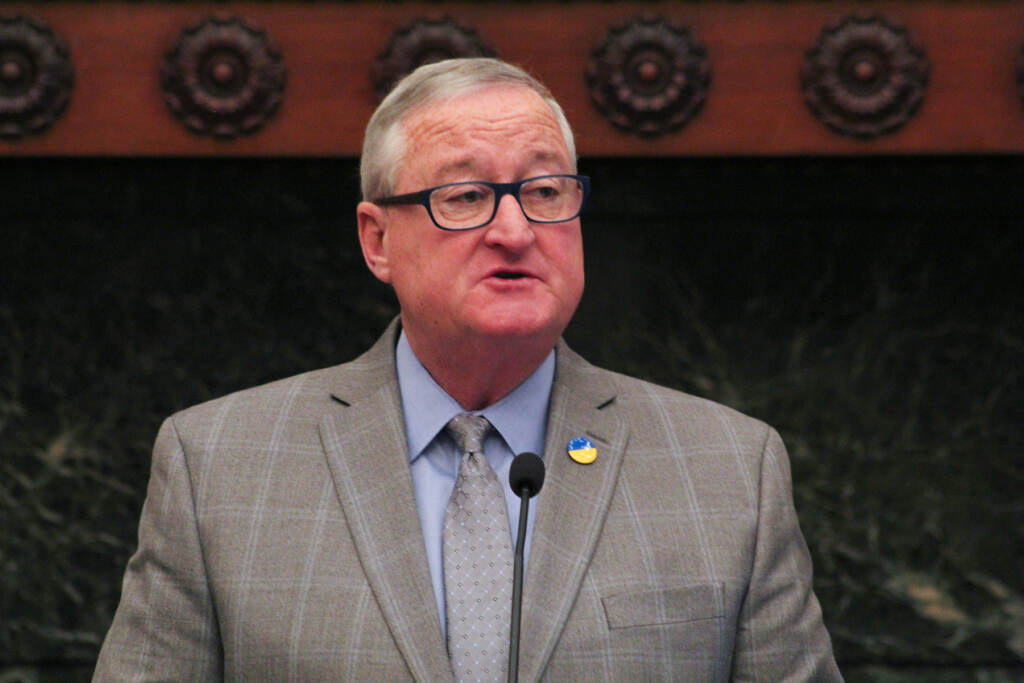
x=280, y=541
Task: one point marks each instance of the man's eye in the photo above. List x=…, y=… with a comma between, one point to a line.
x=467, y=197
x=462, y=196
x=544, y=192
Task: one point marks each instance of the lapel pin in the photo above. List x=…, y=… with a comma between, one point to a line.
x=581, y=449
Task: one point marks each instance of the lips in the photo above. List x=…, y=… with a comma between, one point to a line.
x=510, y=274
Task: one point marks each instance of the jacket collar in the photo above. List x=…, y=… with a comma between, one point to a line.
x=572, y=511
x=366, y=450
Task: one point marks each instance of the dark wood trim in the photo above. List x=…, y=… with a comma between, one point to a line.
x=754, y=104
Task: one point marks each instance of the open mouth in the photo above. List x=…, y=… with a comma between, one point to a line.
x=508, y=275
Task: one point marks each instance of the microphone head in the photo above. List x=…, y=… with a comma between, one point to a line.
x=527, y=472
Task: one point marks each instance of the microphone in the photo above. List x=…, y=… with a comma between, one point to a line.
x=526, y=476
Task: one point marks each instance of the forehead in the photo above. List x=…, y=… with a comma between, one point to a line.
x=483, y=131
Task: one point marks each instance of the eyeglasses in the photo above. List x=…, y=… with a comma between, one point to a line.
x=469, y=205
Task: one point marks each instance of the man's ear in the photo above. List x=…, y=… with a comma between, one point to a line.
x=373, y=239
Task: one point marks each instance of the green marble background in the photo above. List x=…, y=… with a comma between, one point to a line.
x=868, y=308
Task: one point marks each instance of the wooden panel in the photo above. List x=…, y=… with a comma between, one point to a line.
x=755, y=105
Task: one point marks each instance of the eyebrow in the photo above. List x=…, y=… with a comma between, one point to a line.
x=459, y=165
x=470, y=162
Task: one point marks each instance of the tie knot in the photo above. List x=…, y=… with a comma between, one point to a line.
x=468, y=432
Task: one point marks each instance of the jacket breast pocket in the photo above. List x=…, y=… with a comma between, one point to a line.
x=681, y=604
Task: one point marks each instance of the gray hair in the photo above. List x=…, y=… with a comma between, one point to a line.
x=384, y=142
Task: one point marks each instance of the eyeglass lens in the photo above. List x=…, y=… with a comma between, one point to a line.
x=469, y=205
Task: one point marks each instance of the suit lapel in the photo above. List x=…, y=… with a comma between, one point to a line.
x=573, y=504
x=364, y=441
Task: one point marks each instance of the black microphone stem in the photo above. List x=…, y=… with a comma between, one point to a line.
x=517, y=587
x=525, y=477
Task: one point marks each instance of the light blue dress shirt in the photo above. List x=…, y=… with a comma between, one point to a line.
x=520, y=420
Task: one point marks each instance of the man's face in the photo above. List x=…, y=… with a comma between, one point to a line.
x=510, y=279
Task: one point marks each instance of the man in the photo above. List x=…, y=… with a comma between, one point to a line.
x=310, y=529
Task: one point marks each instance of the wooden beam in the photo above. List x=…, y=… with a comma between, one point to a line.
x=754, y=104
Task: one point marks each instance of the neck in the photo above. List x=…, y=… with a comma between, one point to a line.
x=479, y=373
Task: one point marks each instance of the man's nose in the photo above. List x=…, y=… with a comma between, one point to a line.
x=510, y=228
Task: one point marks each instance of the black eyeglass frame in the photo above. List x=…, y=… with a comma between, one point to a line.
x=500, y=190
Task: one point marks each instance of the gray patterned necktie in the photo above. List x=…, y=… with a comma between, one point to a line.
x=477, y=550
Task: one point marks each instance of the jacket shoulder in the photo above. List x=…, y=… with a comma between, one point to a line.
x=305, y=396
x=265, y=396
x=656, y=412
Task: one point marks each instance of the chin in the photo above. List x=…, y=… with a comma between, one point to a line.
x=520, y=327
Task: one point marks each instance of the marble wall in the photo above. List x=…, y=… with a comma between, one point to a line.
x=869, y=308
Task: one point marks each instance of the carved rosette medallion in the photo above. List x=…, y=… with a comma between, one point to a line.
x=223, y=78
x=36, y=77
x=423, y=41
x=864, y=77
x=648, y=77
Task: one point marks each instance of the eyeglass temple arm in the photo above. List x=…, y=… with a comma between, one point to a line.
x=411, y=198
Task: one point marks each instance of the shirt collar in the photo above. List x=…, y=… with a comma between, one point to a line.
x=520, y=417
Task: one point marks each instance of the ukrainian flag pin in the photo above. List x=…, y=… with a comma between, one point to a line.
x=581, y=449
